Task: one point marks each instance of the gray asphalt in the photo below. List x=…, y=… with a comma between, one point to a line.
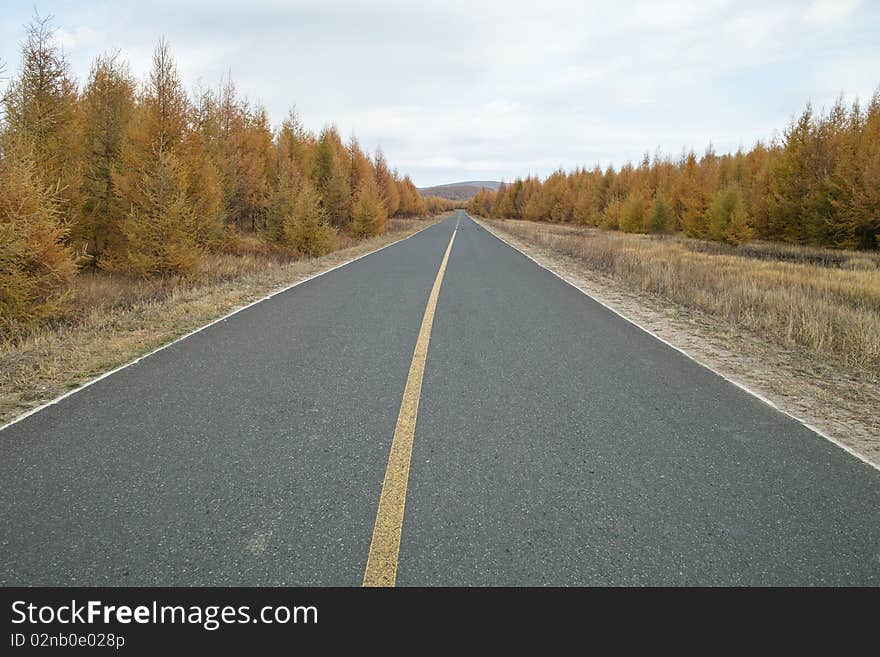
x=556, y=444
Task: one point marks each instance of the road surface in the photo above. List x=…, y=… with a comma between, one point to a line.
x=555, y=444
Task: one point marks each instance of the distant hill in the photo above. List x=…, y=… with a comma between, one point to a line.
x=459, y=191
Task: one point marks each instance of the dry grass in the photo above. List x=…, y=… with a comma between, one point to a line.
x=117, y=319
x=825, y=302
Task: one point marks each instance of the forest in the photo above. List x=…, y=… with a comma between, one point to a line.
x=142, y=179
x=818, y=184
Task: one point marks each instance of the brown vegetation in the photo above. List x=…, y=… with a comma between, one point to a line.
x=120, y=179
x=817, y=185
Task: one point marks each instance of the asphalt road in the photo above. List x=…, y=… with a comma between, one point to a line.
x=555, y=444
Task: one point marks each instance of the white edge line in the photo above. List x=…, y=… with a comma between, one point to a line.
x=202, y=328
x=739, y=385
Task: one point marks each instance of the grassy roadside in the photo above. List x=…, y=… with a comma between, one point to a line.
x=125, y=319
x=802, y=329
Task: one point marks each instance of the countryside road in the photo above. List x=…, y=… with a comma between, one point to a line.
x=555, y=444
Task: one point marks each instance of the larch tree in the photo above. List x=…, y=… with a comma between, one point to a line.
x=727, y=217
x=411, y=202
x=42, y=117
x=306, y=228
x=634, y=213
x=107, y=106
x=330, y=178
x=36, y=270
x=661, y=214
x=369, y=212
x=387, y=184
x=862, y=178
x=158, y=234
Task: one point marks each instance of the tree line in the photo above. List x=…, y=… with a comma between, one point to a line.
x=146, y=178
x=818, y=184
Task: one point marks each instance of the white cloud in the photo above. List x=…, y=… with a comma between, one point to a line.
x=501, y=88
x=824, y=11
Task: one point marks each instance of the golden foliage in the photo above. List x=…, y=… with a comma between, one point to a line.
x=369, y=213
x=36, y=269
x=158, y=236
x=819, y=185
x=306, y=228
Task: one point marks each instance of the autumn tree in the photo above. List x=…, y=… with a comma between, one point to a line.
x=145, y=180
x=661, y=214
x=369, y=212
x=863, y=216
x=634, y=213
x=107, y=106
x=41, y=114
x=386, y=184
x=411, y=202
x=158, y=233
x=249, y=157
x=482, y=203
x=306, y=228
x=727, y=217
x=36, y=270
x=330, y=179
x=587, y=203
x=693, y=197
x=359, y=167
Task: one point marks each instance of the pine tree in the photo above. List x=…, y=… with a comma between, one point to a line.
x=41, y=115
x=634, y=213
x=204, y=191
x=387, y=185
x=107, y=105
x=159, y=234
x=249, y=156
x=693, y=198
x=411, y=202
x=369, y=212
x=611, y=214
x=36, y=270
x=661, y=214
x=862, y=215
x=790, y=182
x=330, y=179
x=727, y=216
x=306, y=228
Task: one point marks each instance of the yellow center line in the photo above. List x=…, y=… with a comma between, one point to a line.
x=381, y=567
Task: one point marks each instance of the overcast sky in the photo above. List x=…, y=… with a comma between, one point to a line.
x=489, y=90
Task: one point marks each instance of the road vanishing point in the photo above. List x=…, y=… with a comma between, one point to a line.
x=443, y=411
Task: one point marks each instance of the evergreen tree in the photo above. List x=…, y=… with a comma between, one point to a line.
x=158, y=235
x=330, y=179
x=634, y=213
x=306, y=228
x=369, y=212
x=727, y=216
x=387, y=185
x=107, y=106
x=42, y=115
x=36, y=270
x=661, y=214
